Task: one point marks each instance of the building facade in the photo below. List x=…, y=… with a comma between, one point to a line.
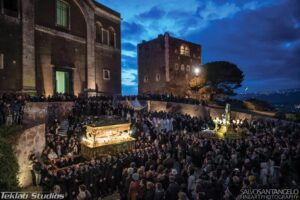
x=166, y=64
x=59, y=46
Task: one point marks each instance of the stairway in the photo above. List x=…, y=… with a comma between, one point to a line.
x=63, y=128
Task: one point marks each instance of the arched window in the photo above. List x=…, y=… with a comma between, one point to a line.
x=98, y=32
x=184, y=50
x=176, y=67
x=112, y=37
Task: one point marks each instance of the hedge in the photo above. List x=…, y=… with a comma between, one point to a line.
x=8, y=162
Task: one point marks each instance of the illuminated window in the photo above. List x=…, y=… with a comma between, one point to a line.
x=157, y=77
x=62, y=13
x=188, y=68
x=176, y=67
x=106, y=74
x=182, y=67
x=98, y=32
x=184, y=50
x=1, y=61
x=146, y=79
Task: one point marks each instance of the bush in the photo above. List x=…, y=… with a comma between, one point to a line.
x=8, y=162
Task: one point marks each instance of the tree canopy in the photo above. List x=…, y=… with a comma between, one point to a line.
x=217, y=79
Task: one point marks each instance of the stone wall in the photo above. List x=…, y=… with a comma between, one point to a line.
x=193, y=110
x=32, y=140
x=44, y=112
x=198, y=111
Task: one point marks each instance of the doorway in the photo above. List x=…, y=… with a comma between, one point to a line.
x=63, y=82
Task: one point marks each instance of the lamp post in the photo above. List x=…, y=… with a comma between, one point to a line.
x=197, y=71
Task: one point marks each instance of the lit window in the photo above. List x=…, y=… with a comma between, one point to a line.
x=157, y=77
x=176, y=67
x=106, y=74
x=62, y=13
x=184, y=50
x=188, y=68
x=1, y=61
x=105, y=36
x=146, y=79
x=182, y=67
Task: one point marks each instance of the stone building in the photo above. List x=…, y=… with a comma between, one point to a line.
x=63, y=46
x=166, y=64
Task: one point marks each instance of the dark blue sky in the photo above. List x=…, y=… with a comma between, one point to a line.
x=261, y=36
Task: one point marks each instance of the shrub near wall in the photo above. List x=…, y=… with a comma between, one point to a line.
x=8, y=163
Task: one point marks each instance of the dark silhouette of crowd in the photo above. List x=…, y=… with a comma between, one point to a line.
x=12, y=105
x=173, y=158
x=11, y=108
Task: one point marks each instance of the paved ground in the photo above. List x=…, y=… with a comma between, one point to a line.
x=113, y=197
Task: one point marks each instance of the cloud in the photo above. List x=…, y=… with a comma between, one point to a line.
x=154, y=12
x=128, y=46
x=261, y=37
x=263, y=42
x=129, y=77
x=213, y=11
x=129, y=61
x=132, y=30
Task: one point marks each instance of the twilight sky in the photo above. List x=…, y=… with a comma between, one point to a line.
x=261, y=36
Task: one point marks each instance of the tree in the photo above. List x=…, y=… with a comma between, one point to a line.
x=217, y=79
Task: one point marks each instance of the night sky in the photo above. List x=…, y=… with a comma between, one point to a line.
x=261, y=36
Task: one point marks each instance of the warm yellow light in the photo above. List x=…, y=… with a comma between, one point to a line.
x=197, y=71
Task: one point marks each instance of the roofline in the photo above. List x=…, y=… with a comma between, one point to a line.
x=111, y=11
x=182, y=40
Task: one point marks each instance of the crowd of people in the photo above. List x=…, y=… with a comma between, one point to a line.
x=172, y=158
x=11, y=105
x=11, y=108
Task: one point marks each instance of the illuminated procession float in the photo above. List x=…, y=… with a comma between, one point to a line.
x=106, y=137
x=225, y=128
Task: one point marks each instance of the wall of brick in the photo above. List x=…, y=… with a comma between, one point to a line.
x=160, y=56
x=179, y=78
x=48, y=19
x=108, y=58
x=32, y=53
x=151, y=61
x=10, y=43
x=55, y=52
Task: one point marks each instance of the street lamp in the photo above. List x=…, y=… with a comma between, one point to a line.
x=197, y=71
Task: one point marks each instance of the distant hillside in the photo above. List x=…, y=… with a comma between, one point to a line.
x=282, y=99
